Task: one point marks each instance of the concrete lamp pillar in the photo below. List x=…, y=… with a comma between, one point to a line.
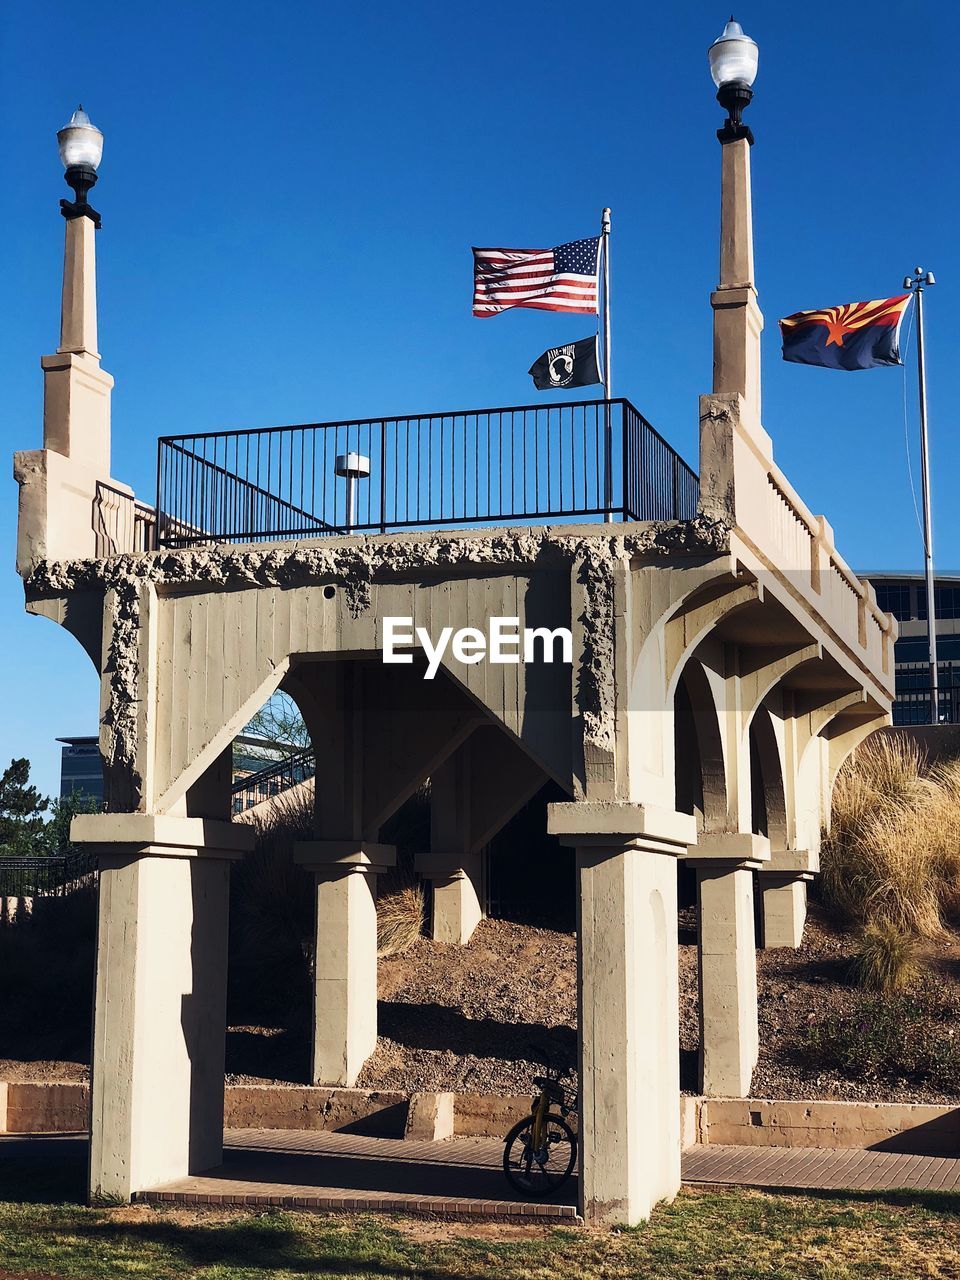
x=783, y=896
x=729, y=1033
x=628, y=1003
x=76, y=391
x=345, y=963
x=160, y=1001
x=60, y=484
x=737, y=319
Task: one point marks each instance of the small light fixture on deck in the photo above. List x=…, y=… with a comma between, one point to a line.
x=733, y=66
x=81, y=149
x=353, y=467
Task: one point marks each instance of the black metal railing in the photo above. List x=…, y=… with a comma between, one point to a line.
x=45, y=877
x=274, y=778
x=585, y=459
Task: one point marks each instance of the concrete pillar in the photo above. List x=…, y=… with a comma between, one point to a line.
x=76, y=391
x=457, y=909
x=737, y=320
x=78, y=311
x=345, y=964
x=160, y=1002
x=473, y=795
x=784, y=903
x=64, y=510
x=628, y=1003
x=729, y=1034
x=452, y=866
x=783, y=896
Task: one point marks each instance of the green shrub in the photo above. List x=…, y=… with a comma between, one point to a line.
x=886, y=958
x=890, y=1039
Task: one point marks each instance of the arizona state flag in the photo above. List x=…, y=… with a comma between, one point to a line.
x=856, y=335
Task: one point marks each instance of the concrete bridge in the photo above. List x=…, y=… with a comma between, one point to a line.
x=723, y=666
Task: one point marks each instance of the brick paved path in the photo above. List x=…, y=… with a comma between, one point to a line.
x=461, y=1178
x=814, y=1168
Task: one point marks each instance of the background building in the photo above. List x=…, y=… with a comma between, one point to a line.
x=905, y=596
x=81, y=770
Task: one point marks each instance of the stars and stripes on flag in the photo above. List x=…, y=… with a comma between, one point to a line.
x=559, y=279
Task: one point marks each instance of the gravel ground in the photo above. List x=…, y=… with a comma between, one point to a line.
x=471, y=1018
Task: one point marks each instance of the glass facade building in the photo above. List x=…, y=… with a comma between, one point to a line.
x=905, y=596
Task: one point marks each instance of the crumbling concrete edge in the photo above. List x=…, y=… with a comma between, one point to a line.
x=355, y=565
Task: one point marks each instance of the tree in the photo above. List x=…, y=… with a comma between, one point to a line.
x=56, y=833
x=280, y=721
x=21, y=806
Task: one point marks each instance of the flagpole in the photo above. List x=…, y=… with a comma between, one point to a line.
x=916, y=284
x=608, y=464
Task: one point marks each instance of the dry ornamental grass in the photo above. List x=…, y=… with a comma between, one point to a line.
x=892, y=856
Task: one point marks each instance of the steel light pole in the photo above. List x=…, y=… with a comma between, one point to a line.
x=916, y=285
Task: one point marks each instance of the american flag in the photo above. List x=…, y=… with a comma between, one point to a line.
x=560, y=279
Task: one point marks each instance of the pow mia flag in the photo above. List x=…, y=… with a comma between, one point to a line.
x=575, y=365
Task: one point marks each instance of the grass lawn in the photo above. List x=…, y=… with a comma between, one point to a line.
x=726, y=1235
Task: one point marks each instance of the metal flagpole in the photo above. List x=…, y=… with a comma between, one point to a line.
x=916, y=284
x=608, y=461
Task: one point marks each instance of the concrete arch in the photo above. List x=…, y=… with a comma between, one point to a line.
x=664, y=648
x=767, y=751
x=209, y=752
x=707, y=739
x=687, y=629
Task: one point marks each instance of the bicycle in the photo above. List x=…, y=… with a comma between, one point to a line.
x=540, y=1151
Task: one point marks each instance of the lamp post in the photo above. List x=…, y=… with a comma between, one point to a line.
x=76, y=403
x=737, y=321
x=81, y=149
x=916, y=285
x=733, y=66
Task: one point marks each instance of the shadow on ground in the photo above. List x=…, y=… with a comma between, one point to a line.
x=437, y=1027
x=264, y=1246
x=43, y=1170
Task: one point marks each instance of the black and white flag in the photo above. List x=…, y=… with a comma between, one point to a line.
x=575, y=365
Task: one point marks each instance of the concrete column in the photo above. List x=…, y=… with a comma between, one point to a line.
x=76, y=391
x=784, y=902
x=160, y=1002
x=78, y=312
x=473, y=795
x=628, y=1003
x=61, y=499
x=457, y=909
x=452, y=866
x=783, y=895
x=729, y=1034
x=737, y=320
x=345, y=965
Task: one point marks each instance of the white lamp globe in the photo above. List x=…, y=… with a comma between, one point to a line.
x=733, y=57
x=80, y=142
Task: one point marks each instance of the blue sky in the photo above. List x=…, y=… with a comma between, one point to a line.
x=272, y=173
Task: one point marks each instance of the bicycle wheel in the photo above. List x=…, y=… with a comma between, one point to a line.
x=539, y=1173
